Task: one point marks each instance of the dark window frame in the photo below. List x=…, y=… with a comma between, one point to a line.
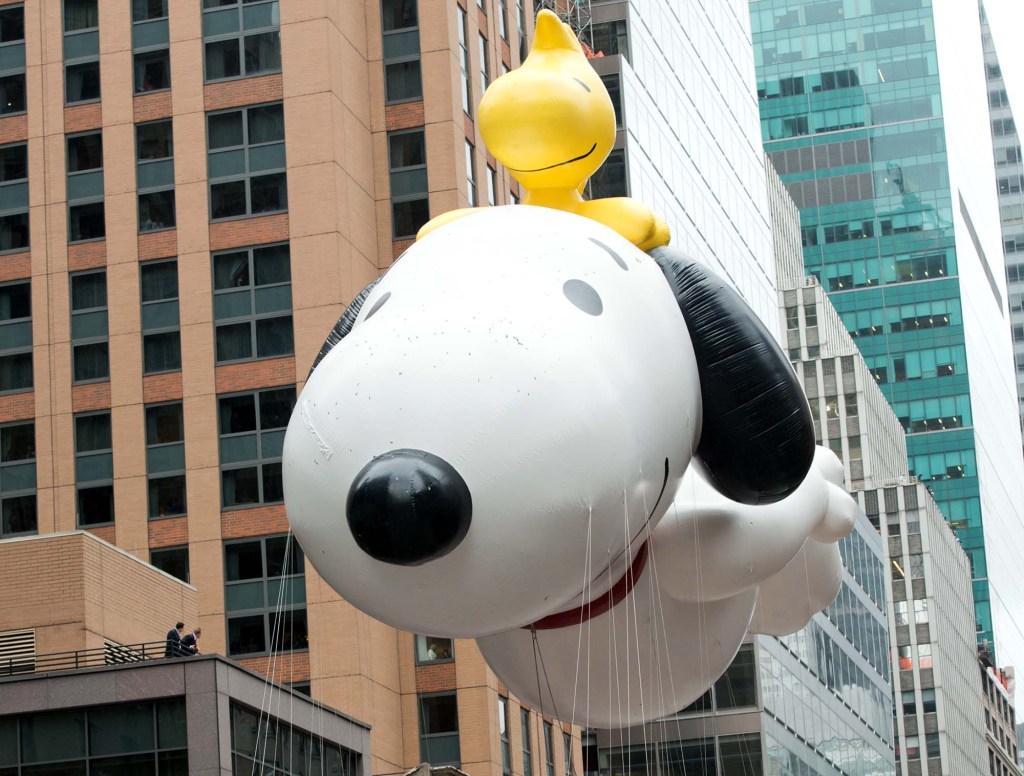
x=419, y=196
x=253, y=318
x=270, y=607
x=90, y=58
x=260, y=461
x=78, y=202
x=148, y=331
x=167, y=550
x=141, y=165
x=397, y=48
x=16, y=71
x=20, y=209
x=13, y=351
x=165, y=474
x=17, y=493
x=246, y=177
x=102, y=482
x=240, y=34
x=88, y=341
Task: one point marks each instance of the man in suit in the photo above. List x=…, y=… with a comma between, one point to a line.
x=173, y=648
x=190, y=642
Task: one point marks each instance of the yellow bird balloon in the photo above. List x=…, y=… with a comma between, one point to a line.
x=552, y=124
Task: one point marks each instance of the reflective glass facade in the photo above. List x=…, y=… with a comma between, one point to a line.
x=902, y=231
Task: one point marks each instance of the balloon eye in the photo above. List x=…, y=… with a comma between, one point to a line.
x=615, y=257
x=583, y=296
x=377, y=305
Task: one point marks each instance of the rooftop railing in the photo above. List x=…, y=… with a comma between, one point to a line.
x=108, y=654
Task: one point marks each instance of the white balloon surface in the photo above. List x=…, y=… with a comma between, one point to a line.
x=522, y=382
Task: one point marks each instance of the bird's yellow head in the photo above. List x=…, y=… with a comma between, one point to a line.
x=551, y=121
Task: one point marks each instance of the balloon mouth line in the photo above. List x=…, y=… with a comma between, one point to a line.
x=559, y=164
x=622, y=588
x=600, y=605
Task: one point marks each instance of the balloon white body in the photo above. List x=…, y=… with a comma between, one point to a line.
x=559, y=420
x=719, y=572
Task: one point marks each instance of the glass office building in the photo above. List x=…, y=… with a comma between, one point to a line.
x=899, y=223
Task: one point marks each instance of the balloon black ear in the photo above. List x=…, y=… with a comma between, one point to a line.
x=343, y=326
x=757, y=441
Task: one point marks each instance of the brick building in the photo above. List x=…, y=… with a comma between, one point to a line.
x=191, y=193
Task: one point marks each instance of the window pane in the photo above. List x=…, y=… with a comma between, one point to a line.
x=122, y=728
x=12, y=93
x=409, y=216
x=234, y=342
x=244, y=560
x=92, y=433
x=272, y=265
x=174, y=561
x=16, y=372
x=92, y=362
x=403, y=81
x=276, y=565
x=162, y=352
x=398, y=14
x=170, y=718
x=14, y=232
x=85, y=152
x=159, y=281
x=167, y=496
x=273, y=489
x=227, y=200
x=266, y=124
x=82, y=82
x=17, y=443
x=15, y=302
x=407, y=149
x=156, y=211
x=87, y=222
x=737, y=686
x=19, y=515
x=96, y=505
x=154, y=141
x=269, y=193
x=225, y=130
x=439, y=714
x=152, y=71
x=80, y=15
x=240, y=487
x=231, y=270
x=274, y=337
x=164, y=424
x=52, y=736
x=246, y=635
x=276, y=408
x=13, y=163
x=222, y=60
x=12, y=25
x=88, y=291
x=143, y=10
x=262, y=53
x=291, y=629
x=237, y=414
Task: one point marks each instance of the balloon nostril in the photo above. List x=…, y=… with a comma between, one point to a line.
x=408, y=507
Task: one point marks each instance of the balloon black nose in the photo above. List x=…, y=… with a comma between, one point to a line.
x=408, y=507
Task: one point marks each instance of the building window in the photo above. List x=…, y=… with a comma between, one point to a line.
x=85, y=187
x=246, y=161
x=251, y=729
x=792, y=318
x=171, y=560
x=94, y=469
x=567, y=753
x=485, y=68
x=612, y=82
x=467, y=91
x=433, y=649
x=407, y=163
x=610, y=179
x=89, y=346
x=492, y=186
x=470, y=175
x=252, y=427
x=14, y=234
x=18, y=479
x=920, y=611
x=252, y=303
x=521, y=30
x=737, y=687
x=95, y=739
x=165, y=459
x=12, y=60
x=611, y=38
x=401, y=41
x=506, y=745
x=439, y=729
x=928, y=701
x=241, y=38
x=740, y=754
x=265, y=596
x=154, y=173
x=150, y=45
x=549, y=749
x=524, y=726
x=811, y=314
x=503, y=19
x=81, y=51
x=931, y=745
x=161, y=339
x=16, y=336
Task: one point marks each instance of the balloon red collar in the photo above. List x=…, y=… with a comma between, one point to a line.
x=599, y=605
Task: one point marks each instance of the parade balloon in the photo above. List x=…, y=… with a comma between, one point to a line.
x=502, y=440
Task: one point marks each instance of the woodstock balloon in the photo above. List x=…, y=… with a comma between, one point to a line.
x=546, y=430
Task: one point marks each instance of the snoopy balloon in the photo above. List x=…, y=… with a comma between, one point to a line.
x=592, y=459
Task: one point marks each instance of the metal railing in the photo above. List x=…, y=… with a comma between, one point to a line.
x=107, y=655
